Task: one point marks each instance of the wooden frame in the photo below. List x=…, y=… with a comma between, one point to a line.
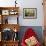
x=29, y=13
x=4, y=19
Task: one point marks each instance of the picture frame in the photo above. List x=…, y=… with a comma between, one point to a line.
x=5, y=12
x=29, y=13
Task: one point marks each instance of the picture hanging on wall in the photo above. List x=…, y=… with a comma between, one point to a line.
x=29, y=13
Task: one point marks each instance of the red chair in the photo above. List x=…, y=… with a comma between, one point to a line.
x=29, y=33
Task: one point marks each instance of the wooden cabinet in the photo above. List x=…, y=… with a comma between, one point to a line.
x=9, y=25
x=44, y=6
x=10, y=43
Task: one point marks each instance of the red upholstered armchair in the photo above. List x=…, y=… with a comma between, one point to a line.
x=30, y=38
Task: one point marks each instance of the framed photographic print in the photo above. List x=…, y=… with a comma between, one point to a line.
x=5, y=12
x=30, y=13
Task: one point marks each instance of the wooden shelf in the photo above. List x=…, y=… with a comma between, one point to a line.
x=9, y=43
x=11, y=26
x=3, y=8
x=14, y=10
x=8, y=11
x=4, y=13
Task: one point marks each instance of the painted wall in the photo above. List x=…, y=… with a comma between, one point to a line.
x=32, y=4
x=27, y=4
x=37, y=29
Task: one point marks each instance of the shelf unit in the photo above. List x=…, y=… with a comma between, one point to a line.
x=5, y=13
x=8, y=11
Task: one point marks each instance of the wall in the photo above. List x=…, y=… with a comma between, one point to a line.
x=38, y=30
x=31, y=4
x=27, y=4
